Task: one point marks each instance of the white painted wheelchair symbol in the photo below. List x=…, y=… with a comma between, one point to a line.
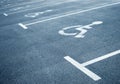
x=81, y=29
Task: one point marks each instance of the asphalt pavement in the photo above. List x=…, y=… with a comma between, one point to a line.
x=60, y=42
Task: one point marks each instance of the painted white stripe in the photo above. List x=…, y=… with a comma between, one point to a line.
x=22, y=25
x=5, y=14
x=83, y=68
x=89, y=73
x=69, y=14
x=101, y=58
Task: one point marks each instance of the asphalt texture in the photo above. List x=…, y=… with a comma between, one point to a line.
x=36, y=55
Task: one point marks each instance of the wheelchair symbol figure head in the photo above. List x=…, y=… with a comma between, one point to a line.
x=82, y=29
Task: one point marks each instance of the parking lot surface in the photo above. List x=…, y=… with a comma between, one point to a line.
x=60, y=42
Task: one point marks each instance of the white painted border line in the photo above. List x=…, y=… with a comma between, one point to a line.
x=23, y=26
x=101, y=58
x=5, y=14
x=83, y=11
x=83, y=68
x=89, y=73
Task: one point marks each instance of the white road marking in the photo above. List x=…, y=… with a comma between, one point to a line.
x=81, y=29
x=69, y=14
x=101, y=58
x=5, y=14
x=89, y=73
x=23, y=26
x=82, y=66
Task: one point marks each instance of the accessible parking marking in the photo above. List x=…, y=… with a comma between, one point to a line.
x=82, y=66
x=25, y=26
x=82, y=29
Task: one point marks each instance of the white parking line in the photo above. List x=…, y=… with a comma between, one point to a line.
x=82, y=66
x=101, y=58
x=69, y=14
x=89, y=73
x=5, y=14
x=23, y=26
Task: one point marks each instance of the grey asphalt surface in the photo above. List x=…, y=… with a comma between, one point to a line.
x=36, y=55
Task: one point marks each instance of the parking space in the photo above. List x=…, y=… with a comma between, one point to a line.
x=74, y=42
